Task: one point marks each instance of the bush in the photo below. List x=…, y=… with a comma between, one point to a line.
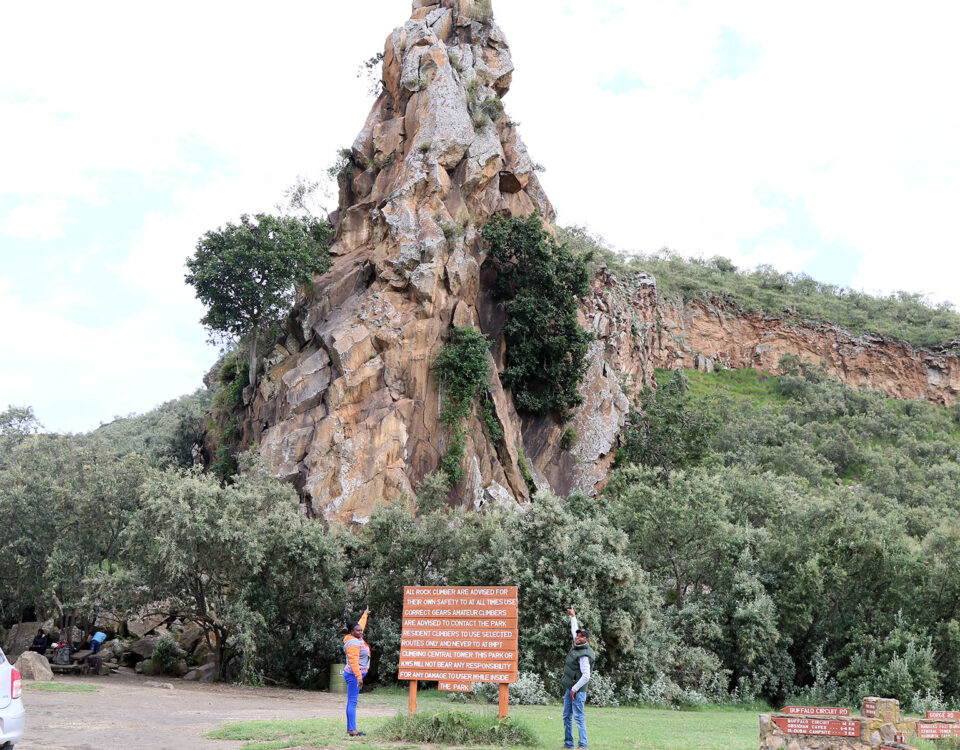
x=601, y=691
x=457, y=728
x=166, y=654
x=538, y=283
x=463, y=367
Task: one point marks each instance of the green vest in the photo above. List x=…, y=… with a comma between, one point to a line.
x=571, y=670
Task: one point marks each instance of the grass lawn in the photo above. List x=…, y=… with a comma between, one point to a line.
x=717, y=728
x=58, y=687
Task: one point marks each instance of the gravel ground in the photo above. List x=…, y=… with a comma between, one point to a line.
x=131, y=712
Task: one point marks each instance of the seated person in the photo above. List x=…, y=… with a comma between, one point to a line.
x=40, y=643
x=97, y=641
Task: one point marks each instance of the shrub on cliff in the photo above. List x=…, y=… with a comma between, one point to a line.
x=463, y=367
x=538, y=283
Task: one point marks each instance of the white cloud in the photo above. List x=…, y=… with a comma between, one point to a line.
x=38, y=220
x=846, y=111
x=77, y=376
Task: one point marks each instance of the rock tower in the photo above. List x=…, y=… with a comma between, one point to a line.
x=348, y=409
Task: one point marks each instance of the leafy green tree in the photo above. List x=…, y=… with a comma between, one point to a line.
x=538, y=283
x=16, y=424
x=63, y=509
x=670, y=433
x=241, y=561
x=246, y=273
x=679, y=533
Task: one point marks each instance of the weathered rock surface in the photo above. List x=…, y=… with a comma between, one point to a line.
x=20, y=638
x=699, y=335
x=33, y=666
x=348, y=408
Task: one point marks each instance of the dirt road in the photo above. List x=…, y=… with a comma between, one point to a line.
x=131, y=712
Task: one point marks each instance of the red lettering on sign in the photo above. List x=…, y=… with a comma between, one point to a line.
x=821, y=727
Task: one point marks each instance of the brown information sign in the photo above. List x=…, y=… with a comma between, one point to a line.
x=822, y=727
x=815, y=711
x=457, y=635
x=937, y=731
x=869, y=709
x=944, y=715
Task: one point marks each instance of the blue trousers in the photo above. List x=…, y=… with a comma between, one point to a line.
x=353, y=694
x=573, y=712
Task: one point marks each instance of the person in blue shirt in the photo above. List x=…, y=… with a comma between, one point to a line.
x=97, y=641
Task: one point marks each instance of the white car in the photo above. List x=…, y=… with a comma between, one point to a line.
x=11, y=705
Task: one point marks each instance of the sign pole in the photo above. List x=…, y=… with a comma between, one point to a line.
x=504, y=700
x=413, y=696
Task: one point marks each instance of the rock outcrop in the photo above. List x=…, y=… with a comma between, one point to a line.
x=348, y=409
x=699, y=335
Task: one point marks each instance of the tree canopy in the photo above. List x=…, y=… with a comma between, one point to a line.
x=246, y=273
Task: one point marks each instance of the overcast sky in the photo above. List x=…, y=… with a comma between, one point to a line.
x=821, y=137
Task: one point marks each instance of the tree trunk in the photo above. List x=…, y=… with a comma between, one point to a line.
x=253, y=357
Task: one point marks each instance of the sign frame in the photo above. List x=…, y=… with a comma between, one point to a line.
x=457, y=635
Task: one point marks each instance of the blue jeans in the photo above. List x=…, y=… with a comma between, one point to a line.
x=573, y=712
x=353, y=693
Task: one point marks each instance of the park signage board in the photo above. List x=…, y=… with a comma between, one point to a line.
x=944, y=715
x=456, y=635
x=815, y=711
x=937, y=731
x=821, y=727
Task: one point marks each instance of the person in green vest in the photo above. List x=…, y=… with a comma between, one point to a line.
x=576, y=675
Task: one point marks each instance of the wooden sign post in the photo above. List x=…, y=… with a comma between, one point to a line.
x=458, y=635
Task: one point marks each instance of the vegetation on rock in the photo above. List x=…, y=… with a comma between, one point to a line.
x=906, y=316
x=463, y=367
x=246, y=273
x=538, y=283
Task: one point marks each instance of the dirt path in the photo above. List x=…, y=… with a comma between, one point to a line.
x=131, y=712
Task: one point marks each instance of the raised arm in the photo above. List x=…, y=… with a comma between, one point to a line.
x=363, y=619
x=574, y=625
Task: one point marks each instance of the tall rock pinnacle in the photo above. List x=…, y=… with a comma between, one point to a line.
x=348, y=409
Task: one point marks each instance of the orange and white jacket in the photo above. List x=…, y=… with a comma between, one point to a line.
x=357, y=651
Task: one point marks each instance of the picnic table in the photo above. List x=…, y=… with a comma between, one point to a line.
x=78, y=663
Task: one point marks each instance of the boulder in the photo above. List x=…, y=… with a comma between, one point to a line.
x=19, y=638
x=140, y=628
x=205, y=673
x=33, y=666
x=143, y=648
x=190, y=636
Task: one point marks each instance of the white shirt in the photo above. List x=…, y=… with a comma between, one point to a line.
x=584, y=660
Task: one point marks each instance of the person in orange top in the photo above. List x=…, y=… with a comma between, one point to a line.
x=358, y=663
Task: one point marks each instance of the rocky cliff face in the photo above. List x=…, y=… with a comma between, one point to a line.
x=348, y=408
x=699, y=335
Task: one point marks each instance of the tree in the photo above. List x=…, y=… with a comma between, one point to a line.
x=538, y=282
x=240, y=561
x=671, y=433
x=246, y=273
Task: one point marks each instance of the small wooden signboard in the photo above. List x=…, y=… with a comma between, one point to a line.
x=815, y=711
x=937, y=731
x=869, y=708
x=457, y=635
x=944, y=715
x=821, y=727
